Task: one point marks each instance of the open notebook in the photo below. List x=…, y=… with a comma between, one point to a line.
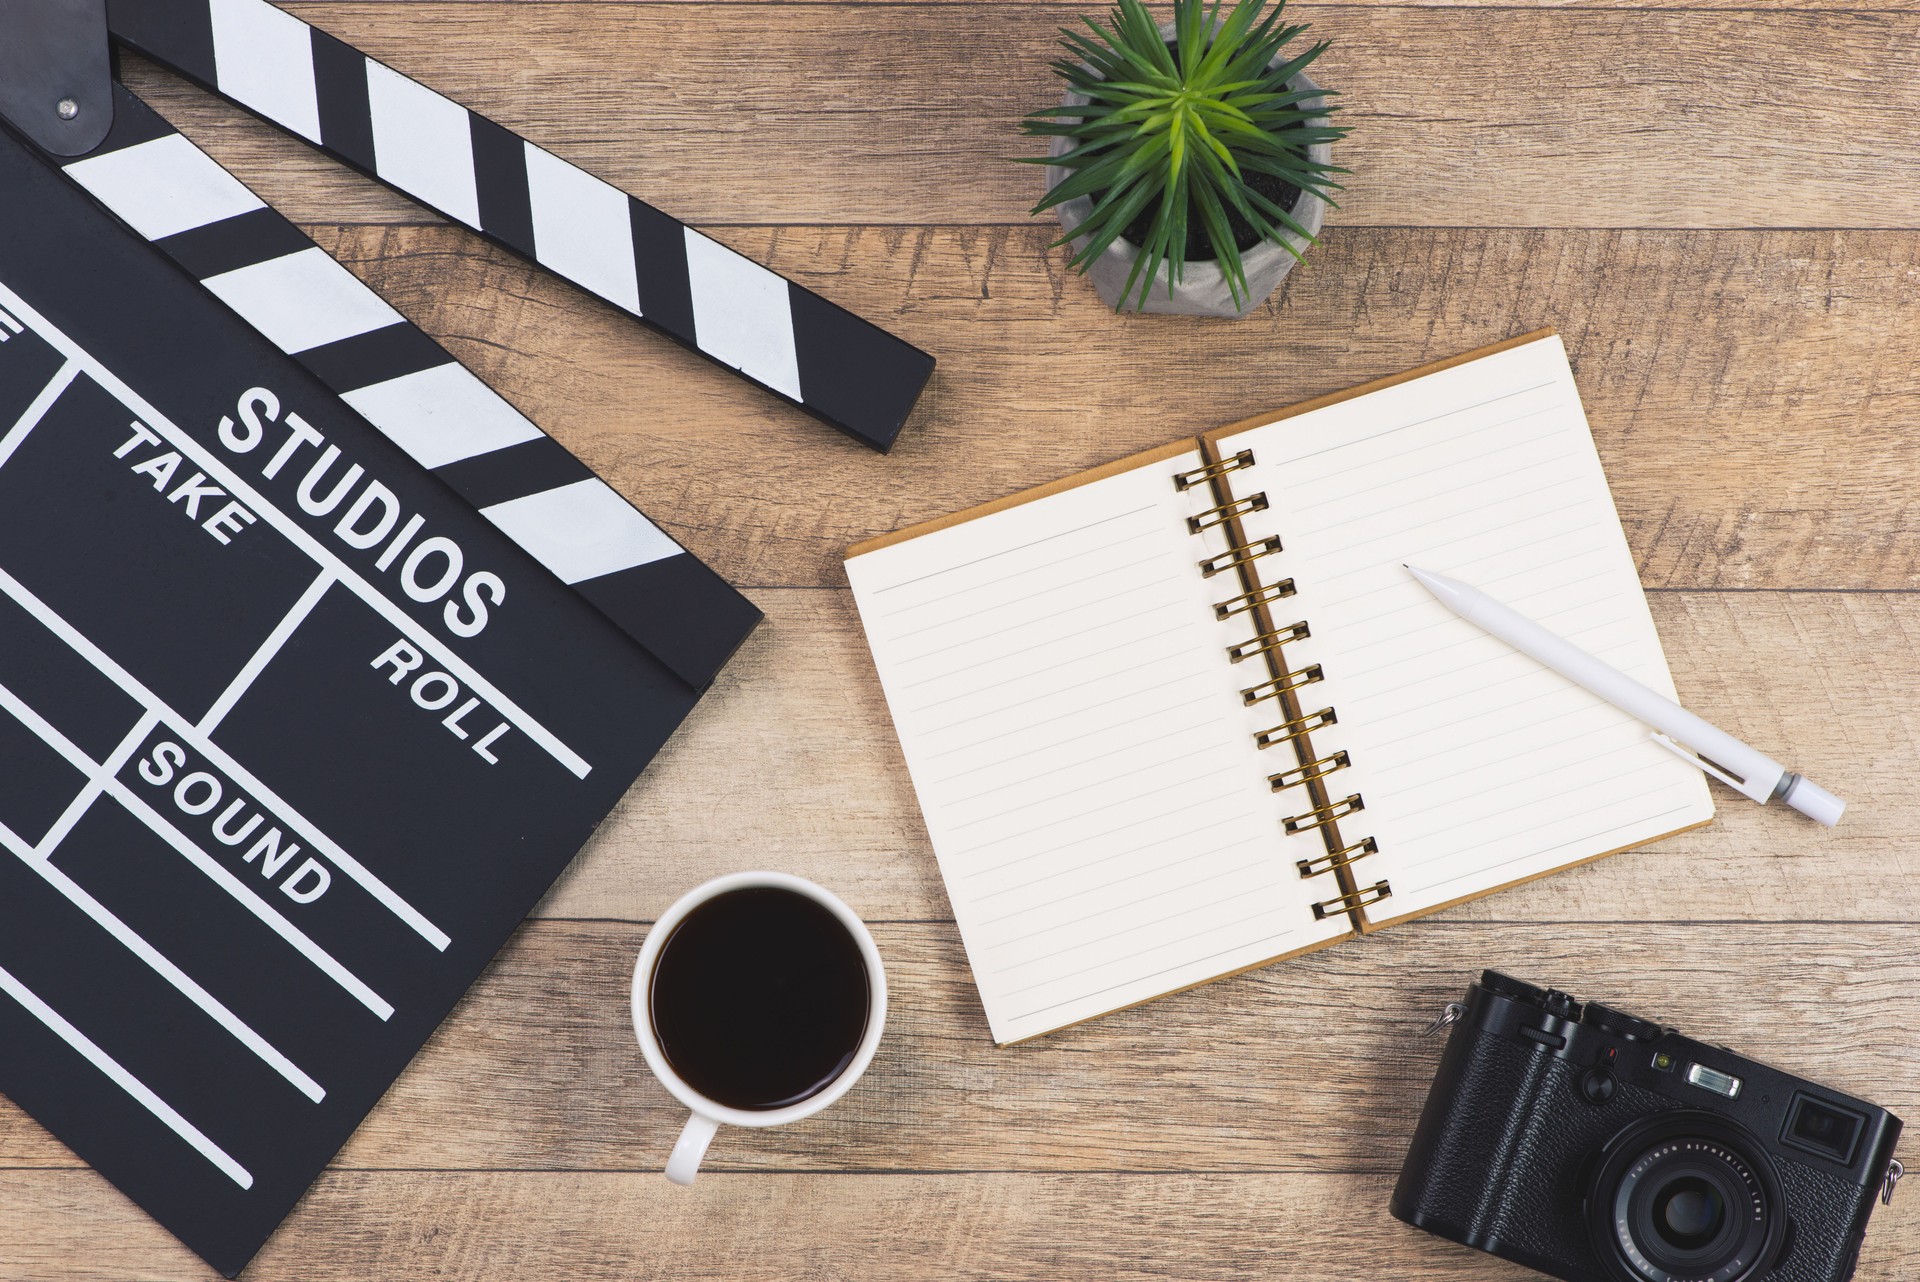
x=1187, y=714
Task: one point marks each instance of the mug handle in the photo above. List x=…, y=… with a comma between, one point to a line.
x=684, y=1163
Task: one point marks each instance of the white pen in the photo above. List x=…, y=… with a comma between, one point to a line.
x=1697, y=742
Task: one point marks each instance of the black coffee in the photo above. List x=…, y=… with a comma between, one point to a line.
x=760, y=998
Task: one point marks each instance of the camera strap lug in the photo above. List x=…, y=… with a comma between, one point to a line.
x=1451, y=1013
x=1894, y=1172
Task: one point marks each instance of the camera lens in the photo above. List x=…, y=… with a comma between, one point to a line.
x=1689, y=1213
x=1686, y=1196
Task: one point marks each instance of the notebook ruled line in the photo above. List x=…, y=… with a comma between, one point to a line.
x=1024, y=547
x=1589, y=839
x=1158, y=893
x=1447, y=443
x=1445, y=624
x=1078, y=685
x=1400, y=537
x=1074, y=974
x=1496, y=658
x=1104, y=625
x=1425, y=606
x=1516, y=812
x=1007, y=758
x=1053, y=585
x=1524, y=754
x=1297, y=459
x=1198, y=804
x=1499, y=726
x=1118, y=854
x=1169, y=736
x=1046, y=592
x=1265, y=940
x=1353, y=498
x=1067, y=819
x=1105, y=781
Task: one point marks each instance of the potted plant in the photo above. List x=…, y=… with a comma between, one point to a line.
x=1191, y=162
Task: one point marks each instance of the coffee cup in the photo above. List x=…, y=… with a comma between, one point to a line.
x=758, y=1000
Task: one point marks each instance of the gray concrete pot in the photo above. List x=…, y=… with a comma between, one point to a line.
x=1202, y=290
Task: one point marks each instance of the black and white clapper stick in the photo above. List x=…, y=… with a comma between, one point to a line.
x=841, y=369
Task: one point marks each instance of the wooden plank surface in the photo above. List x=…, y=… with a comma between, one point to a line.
x=721, y=116
x=1753, y=394
x=1301, y=1081
x=539, y=1070
x=1712, y=200
x=604, y=1227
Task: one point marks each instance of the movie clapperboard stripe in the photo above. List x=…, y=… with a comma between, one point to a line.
x=209, y=223
x=839, y=368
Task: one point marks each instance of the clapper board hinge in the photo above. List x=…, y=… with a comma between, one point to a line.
x=56, y=80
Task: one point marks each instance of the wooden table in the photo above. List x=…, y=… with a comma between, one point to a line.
x=1716, y=206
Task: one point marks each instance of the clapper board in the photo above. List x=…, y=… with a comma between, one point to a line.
x=318, y=661
x=293, y=736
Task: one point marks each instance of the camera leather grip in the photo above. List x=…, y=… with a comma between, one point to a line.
x=1500, y=1156
x=1476, y=1116
x=1825, y=1237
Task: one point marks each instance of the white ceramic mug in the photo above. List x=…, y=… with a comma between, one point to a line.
x=708, y=1114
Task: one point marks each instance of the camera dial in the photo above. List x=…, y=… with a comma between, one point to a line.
x=1631, y=1027
x=1686, y=1196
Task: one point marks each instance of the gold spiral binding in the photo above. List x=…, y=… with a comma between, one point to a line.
x=1248, y=600
x=1280, y=685
x=1357, y=899
x=1321, y=816
x=1287, y=731
x=1226, y=512
x=1238, y=555
x=1338, y=858
x=1261, y=642
x=1312, y=770
x=1267, y=642
x=1201, y=475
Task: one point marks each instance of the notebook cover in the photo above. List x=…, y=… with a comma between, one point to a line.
x=273, y=797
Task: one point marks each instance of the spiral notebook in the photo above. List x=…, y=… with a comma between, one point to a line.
x=1186, y=714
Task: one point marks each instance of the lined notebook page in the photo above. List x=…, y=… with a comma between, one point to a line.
x=1080, y=751
x=1479, y=767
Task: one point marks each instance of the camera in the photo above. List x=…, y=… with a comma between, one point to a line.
x=1596, y=1146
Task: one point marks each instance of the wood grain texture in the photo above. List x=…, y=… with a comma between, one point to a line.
x=538, y=1069
x=1751, y=393
x=1641, y=118
x=733, y=1228
x=1255, y=1122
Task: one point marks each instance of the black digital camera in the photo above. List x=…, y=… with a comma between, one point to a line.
x=1596, y=1146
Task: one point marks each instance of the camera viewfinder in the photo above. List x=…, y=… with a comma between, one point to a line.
x=1822, y=1128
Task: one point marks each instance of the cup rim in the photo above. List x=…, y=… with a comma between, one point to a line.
x=640, y=1004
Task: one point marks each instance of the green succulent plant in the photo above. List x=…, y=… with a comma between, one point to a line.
x=1174, y=129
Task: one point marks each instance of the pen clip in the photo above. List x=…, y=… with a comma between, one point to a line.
x=1719, y=772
